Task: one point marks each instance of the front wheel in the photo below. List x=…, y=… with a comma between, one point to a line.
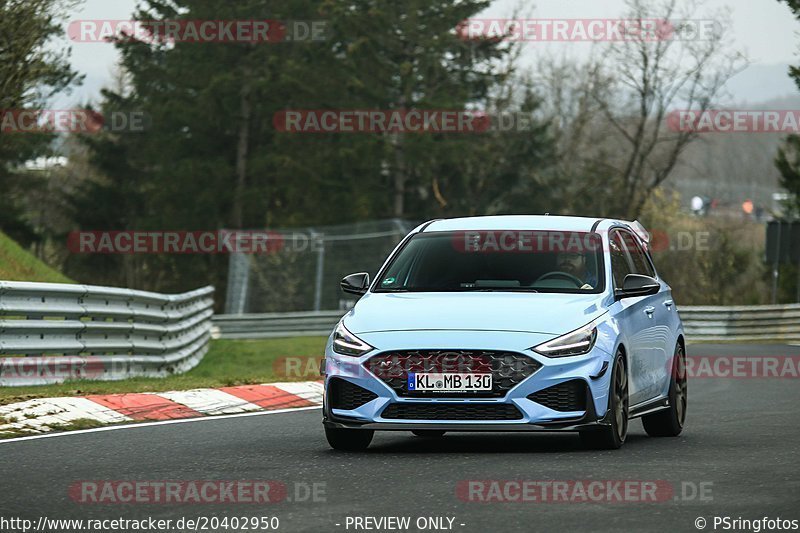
x=349, y=440
x=612, y=436
x=669, y=422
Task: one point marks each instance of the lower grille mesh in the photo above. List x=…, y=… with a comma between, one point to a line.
x=508, y=369
x=343, y=394
x=567, y=396
x=500, y=411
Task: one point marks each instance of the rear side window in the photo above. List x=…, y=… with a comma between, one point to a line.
x=641, y=263
x=620, y=263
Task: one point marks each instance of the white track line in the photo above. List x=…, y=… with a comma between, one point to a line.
x=158, y=423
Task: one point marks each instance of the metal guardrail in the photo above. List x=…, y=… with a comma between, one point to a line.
x=268, y=325
x=701, y=324
x=99, y=333
x=752, y=323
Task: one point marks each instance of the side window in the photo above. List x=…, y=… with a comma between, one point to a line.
x=641, y=264
x=620, y=264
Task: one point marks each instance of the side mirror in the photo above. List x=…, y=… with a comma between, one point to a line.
x=355, y=283
x=638, y=285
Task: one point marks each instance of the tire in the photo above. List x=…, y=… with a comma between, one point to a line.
x=669, y=422
x=613, y=436
x=349, y=440
x=428, y=433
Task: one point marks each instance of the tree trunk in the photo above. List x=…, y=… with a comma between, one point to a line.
x=400, y=176
x=242, y=150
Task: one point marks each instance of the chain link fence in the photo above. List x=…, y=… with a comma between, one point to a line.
x=303, y=273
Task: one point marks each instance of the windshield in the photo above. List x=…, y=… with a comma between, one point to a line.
x=532, y=261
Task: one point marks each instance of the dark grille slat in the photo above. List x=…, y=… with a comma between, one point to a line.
x=343, y=394
x=567, y=396
x=507, y=368
x=432, y=411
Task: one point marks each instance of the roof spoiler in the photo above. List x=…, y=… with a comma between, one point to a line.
x=640, y=231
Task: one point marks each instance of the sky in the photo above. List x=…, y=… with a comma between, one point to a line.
x=764, y=29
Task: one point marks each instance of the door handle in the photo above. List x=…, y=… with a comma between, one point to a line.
x=668, y=304
x=649, y=311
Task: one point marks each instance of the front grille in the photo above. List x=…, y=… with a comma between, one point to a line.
x=343, y=394
x=507, y=369
x=432, y=411
x=567, y=396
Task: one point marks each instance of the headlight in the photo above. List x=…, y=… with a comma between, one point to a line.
x=345, y=343
x=577, y=342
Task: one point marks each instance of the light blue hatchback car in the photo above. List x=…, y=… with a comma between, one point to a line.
x=509, y=323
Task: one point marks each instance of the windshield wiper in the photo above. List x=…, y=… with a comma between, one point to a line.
x=516, y=289
x=497, y=289
x=465, y=289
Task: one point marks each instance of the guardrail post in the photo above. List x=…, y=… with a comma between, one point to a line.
x=238, y=283
x=319, y=241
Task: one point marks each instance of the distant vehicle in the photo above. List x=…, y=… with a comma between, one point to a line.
x=509, y=323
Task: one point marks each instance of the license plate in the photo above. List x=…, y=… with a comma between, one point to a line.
x=450, y=382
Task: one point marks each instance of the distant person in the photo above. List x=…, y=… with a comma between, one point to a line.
x=708, y=205
x=747, y=207
x=697, y=205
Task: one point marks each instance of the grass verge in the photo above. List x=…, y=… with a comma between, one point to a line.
x=17, y=264
x=227, y=363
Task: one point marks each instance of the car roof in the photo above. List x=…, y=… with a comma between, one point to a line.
x=512, y=222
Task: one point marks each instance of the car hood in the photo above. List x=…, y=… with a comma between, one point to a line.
x=552, y=314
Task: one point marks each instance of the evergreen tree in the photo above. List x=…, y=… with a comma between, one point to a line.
x=32, y=70
x=788, y=158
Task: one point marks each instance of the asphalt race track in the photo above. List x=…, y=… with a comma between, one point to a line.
x=741, y=447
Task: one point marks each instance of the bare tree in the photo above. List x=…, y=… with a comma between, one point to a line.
x=611, y=117
x=579, y=129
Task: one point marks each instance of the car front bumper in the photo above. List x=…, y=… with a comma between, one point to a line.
x=592, y=369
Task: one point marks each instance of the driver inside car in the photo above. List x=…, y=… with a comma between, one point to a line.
x=574, y=263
